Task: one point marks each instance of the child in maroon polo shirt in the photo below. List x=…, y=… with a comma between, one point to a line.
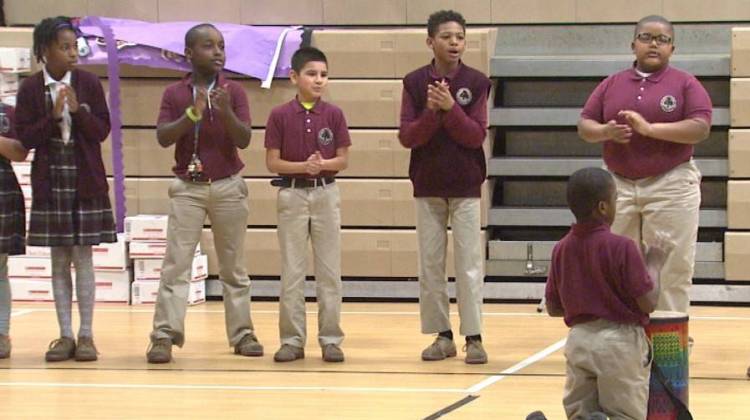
x=307, y=143
x=207, y=117
x=598, y=281
x=649, y=117
x=444, y=123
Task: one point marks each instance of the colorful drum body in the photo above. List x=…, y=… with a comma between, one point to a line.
x=668, y=332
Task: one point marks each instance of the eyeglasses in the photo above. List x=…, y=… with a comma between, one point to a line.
x=648, y=38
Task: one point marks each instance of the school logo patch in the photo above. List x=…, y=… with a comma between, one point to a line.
x=325, y=136
x=463, y=96
x=668, y=103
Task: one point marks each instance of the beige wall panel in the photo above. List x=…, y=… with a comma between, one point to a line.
x=131, y=163
x=377, y=153
x=739, y=153
x=153, y=195
x=364, y=12
x=700, y=10
x=533, y=11
x=225, y=11
x=358, y=52
x=262, y=197
x=366, y=253
x=147, y=10
x=30, y=12
x=16, y=37
x=616, y=10
x=366, y=103
x=738, y=204
x=474, y=11
x=739, y=102
x=131, y=196
x=740, y=56
x=737, y=255
x=254, y=156
x=281, y=12
x=371, y=103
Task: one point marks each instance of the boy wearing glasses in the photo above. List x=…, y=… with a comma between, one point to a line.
x=649, y=117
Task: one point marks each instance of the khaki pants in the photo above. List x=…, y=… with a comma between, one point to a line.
x=432, y=222
x=225, y=202
x=310, y=214
x=608, y=370
x=670, y=203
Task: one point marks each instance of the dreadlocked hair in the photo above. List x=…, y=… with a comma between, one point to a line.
x=45, y=33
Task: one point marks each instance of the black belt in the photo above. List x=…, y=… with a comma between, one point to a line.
x=302, y=182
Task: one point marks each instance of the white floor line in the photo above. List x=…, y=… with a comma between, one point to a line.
x=518, y=366
x=21, y=312
x=233, y=387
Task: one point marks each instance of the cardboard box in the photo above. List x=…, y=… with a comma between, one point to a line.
x=8, y=83
x=15, y=59
x=146, y=227
x=29, y=268
x=145, y=292
x=111, y=256
x=23, y=173
x=150, y=269
x=27, y=290
x=112, y=286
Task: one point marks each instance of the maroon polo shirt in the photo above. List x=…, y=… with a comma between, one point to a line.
x=669, y=95
x=595, y=273
x=298, y=133
x=447, y=159
x=216, y=149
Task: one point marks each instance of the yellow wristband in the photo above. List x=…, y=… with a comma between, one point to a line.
x=190, y=112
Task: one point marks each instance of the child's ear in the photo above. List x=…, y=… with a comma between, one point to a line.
x=188, y=54
x=602, y=207
x=429, y=41
x=293, y=76
x=632, y=47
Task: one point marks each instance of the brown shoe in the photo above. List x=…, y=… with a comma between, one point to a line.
x=160, y=351
x=289, y=353
x=249, y=346
x=4, y=347
x=439, y=349
x=86, y=350
x=64, y=348
x=332, y=353
x=475, y=354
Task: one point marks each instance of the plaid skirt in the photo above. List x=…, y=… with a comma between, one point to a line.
x=64, y=219
x=12, y=212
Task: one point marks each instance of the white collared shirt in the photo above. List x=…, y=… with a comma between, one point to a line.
x=54, y=87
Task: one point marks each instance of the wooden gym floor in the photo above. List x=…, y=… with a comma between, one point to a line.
x=381, y=378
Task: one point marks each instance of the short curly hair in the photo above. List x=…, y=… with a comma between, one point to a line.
x=443, y=16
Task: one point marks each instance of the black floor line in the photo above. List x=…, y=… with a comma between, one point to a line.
x=455, y=406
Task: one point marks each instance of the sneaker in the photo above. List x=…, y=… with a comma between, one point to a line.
x=64, y=348
x=289, y=353
x=475, y=354
x=86, y=350
x=249, y=346
x=4, y=347
x=439, y=349
x=160, y=351
x=332, y=353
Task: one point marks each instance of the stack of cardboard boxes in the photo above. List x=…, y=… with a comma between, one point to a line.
x=147, y=236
